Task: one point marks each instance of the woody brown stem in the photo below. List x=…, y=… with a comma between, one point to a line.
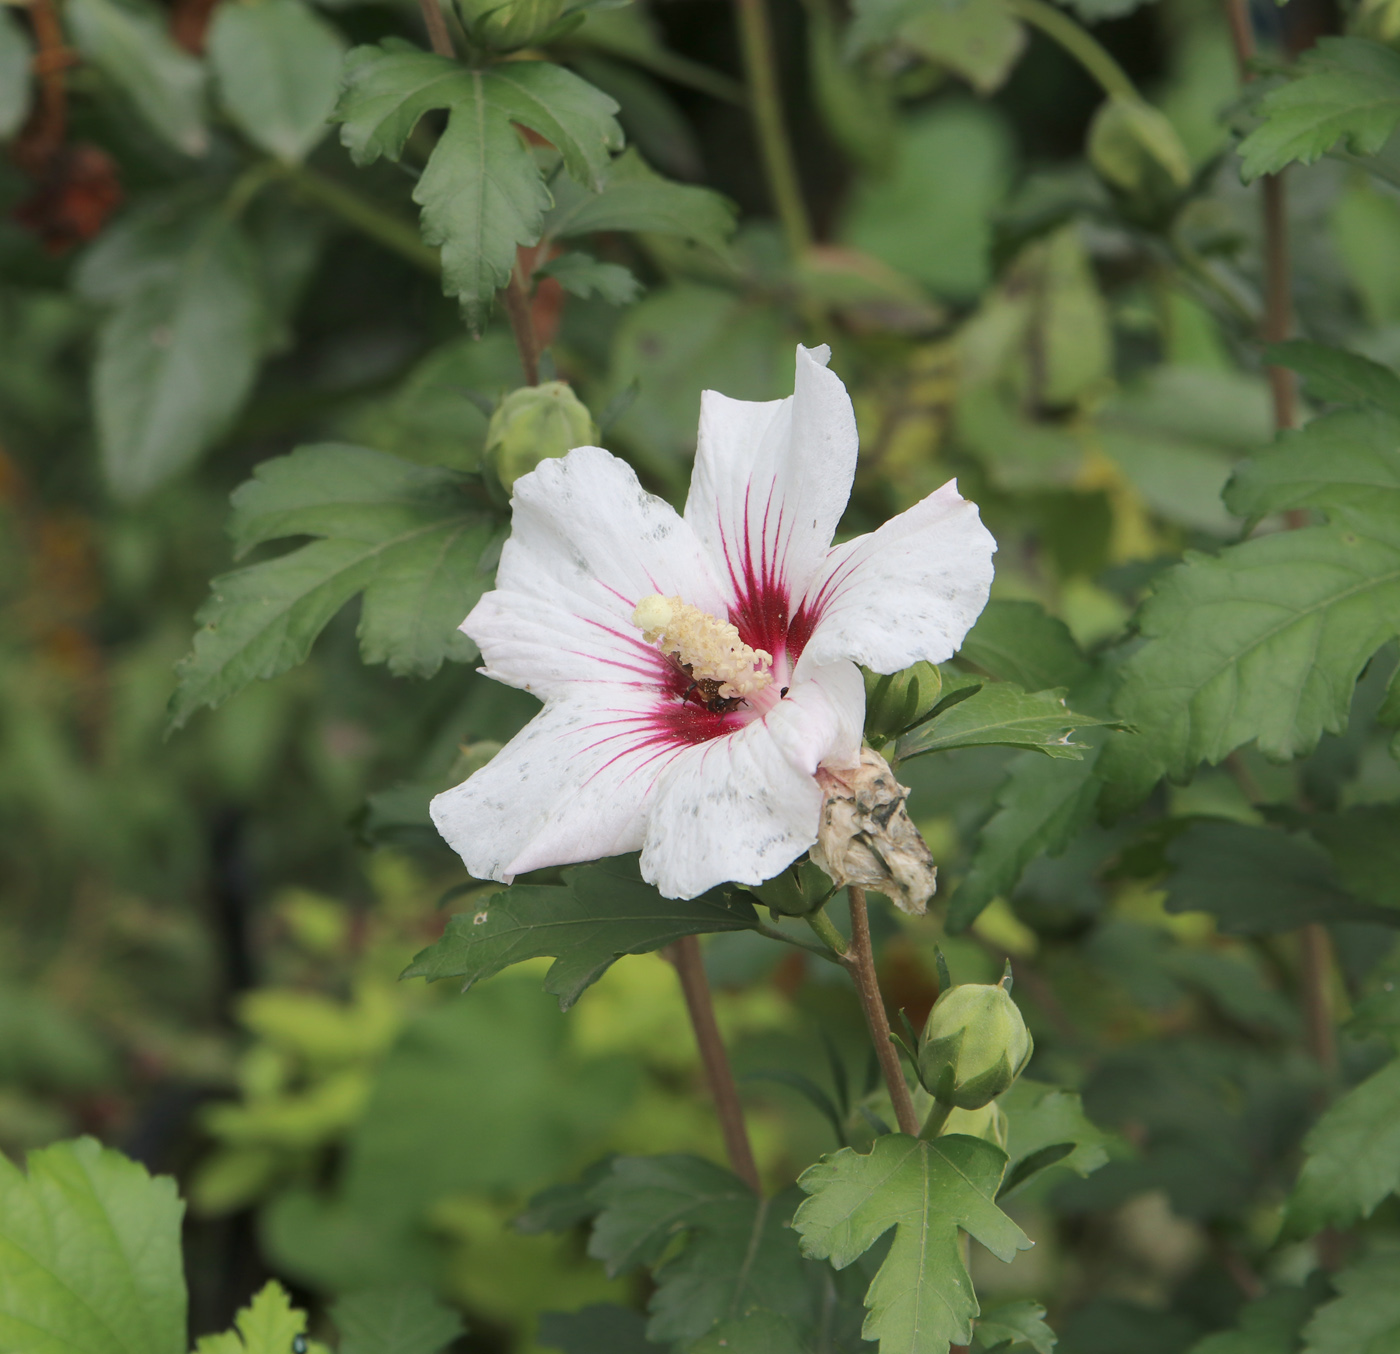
x=690, y=968
x=438, y=37
x=860, y=960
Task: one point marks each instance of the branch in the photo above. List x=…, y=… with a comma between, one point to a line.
x=690, y=968
x=860, y=960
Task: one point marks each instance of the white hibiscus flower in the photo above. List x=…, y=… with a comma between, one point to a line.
x=697, y=671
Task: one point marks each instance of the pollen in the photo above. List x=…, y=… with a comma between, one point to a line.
x=709, y=647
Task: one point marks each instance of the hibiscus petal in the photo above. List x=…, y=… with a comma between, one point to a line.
x=907, y=592
x=571, y=786
x=743, y=807
x=587, y=543
x=770, y=483
x=735, y=809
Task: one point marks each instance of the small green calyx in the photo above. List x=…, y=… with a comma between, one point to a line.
x=895, y=701
x=974, y=1045
x=532, y=424
x=797, y=892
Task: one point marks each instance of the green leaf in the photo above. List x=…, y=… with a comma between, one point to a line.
x=481, y=195
x=89, y=1255
x=1364, y=843
x=1269, y=1325
x=1345, y=460
x=278, y=67
x=1353, y=1157
x=1041, y=807
x=409, y=537
x=557, y=1208
x=1015, y=1325
x=586, y=276
x=635, y=197
x=267, y=1325
x=1176, y=431
x=387, y=89
x=740, y=1262
x=130, y=43
x=1040, y=1116
x=1002, y=715
x=1258, y=880
x=1020, y=642
x=405, y=1319
x=576, y=119
x=600, y=912
x=177, y=357
x=16, y=88
x=1344, y=89
x=1364, y=1317
x=930, y=218
x=979, y=40
x=1263, y=642
x=600, y=1329
x=1339, y=376
x=481, y=192
x=921, y=1300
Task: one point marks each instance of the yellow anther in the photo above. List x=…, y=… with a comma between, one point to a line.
x=711, y=647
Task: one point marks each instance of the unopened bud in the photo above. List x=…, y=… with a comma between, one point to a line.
x=989, y=1123
x=865, y=836
x=1137, y=150
x=895, y=701
x=974, y=1045
x=532, y=424
x=512, y=24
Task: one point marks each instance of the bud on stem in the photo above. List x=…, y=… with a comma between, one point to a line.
x=974, y=1046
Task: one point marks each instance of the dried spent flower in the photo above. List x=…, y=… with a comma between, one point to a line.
x=866, y=837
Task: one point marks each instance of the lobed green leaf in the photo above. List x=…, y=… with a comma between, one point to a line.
x=89, y=1255
x=1345, y=89
x=921, y=1299
x=739, y=1279
x=600, y=912
x=403, y=1319
x=409, y=537
x=1040, y=808
x=1264, y=642
x=1353, y=1158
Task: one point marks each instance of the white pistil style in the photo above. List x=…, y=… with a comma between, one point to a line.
x=709, y=647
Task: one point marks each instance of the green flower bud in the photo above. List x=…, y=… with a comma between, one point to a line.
x=1136, y=150
x=894, y=702
x=974, y=1045
x=512, y=24
x=533, y=423
x=989, y=1123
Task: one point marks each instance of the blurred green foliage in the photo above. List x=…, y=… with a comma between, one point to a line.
x=1041, y=265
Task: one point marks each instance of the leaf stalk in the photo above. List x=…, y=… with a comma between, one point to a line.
x=766, y=107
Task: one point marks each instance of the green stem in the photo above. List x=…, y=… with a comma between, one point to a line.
x=937, y=1117
x=1081, y=45
x=827, y=932
x=777, y=933
x=248, y=185
x=391, y=231
x=766, y=106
